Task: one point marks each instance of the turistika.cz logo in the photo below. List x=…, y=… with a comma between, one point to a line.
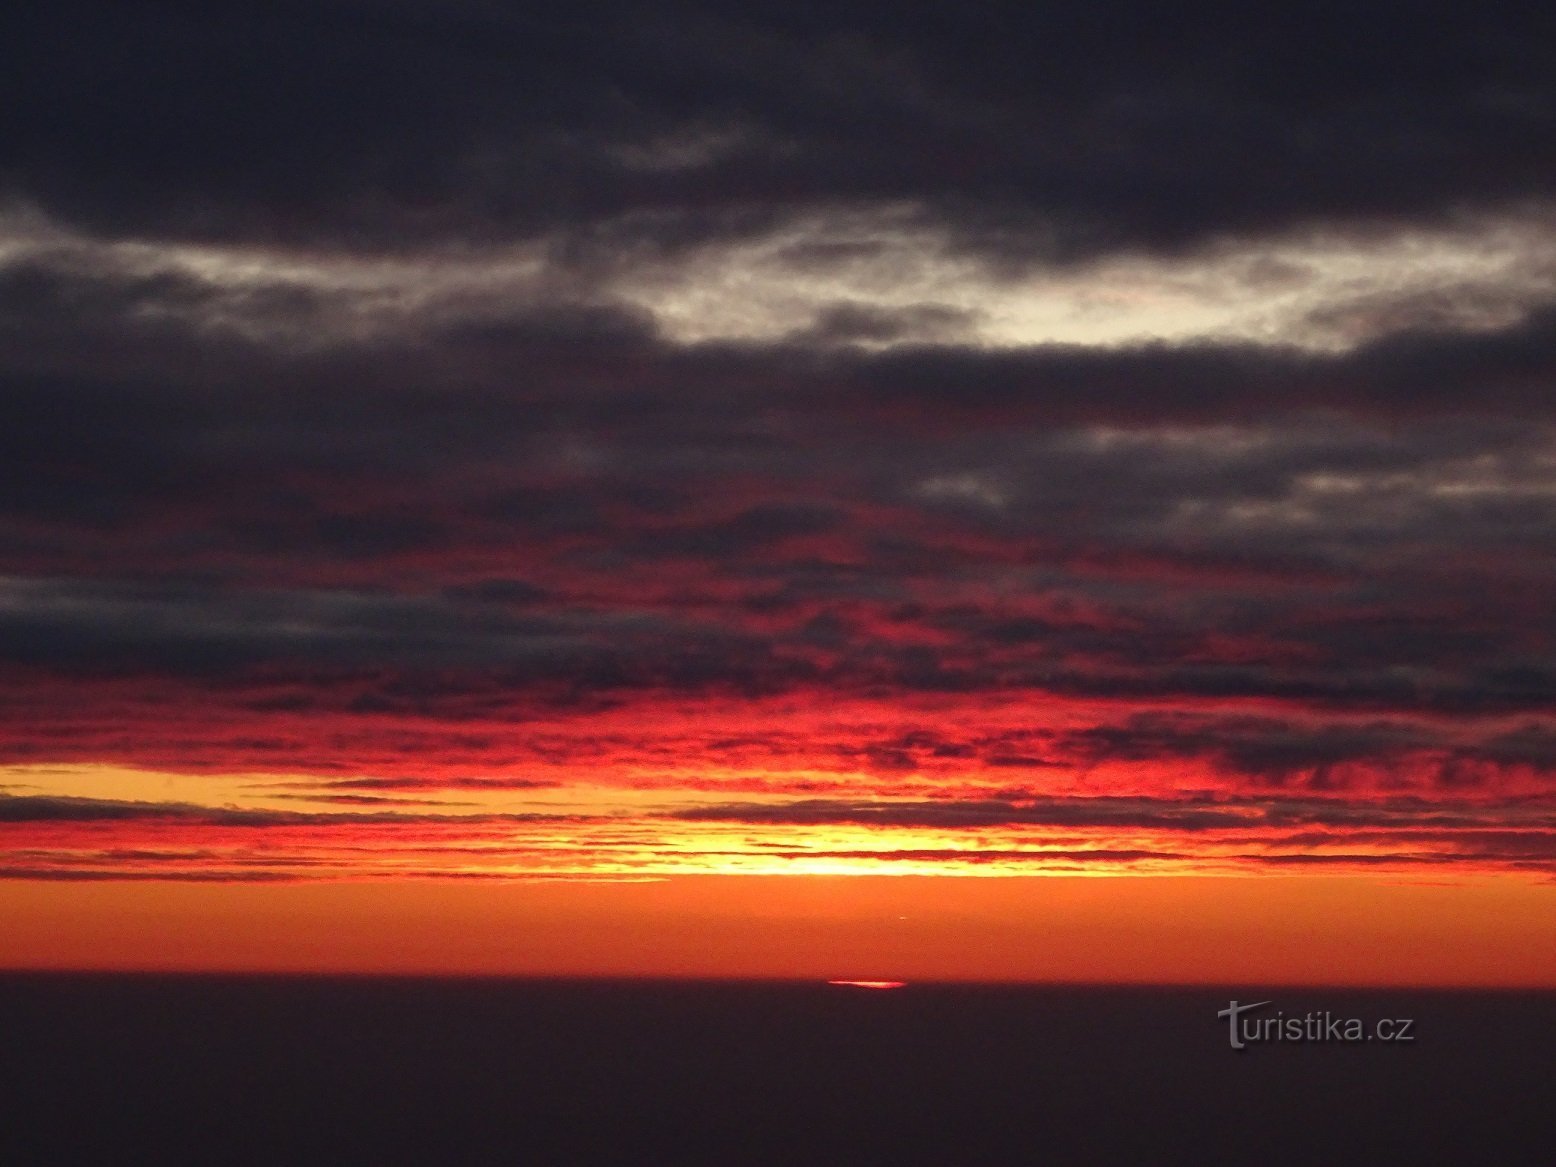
x=1314, y=1027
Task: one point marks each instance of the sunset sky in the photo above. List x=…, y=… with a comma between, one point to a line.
x=1016, y=492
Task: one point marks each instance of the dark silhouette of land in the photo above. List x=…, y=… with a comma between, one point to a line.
x=100, y=1069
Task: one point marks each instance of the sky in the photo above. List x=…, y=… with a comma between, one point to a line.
x=995, y=491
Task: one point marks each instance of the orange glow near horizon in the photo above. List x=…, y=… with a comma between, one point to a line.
x=113, y=822
x=850, y=882
x=1162, y=929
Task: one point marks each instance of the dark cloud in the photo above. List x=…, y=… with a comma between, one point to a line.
x=441, y=782
x=499, y=591
x=1100, y=811
x=852, y=323
x=990, y=855
x=66, y=809
x=385, y=653
x=1413, y=372
x=1190, y=814
x=1028, y=131
x=1321, y=755
x=368, y=800
x=90, y=875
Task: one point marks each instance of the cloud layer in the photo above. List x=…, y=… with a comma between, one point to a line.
x=810, y=421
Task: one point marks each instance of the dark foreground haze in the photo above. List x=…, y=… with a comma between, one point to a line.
x=99, y=1069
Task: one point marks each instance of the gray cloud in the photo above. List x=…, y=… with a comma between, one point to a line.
x=349, y=367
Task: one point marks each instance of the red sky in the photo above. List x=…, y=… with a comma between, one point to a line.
x=614, y=486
